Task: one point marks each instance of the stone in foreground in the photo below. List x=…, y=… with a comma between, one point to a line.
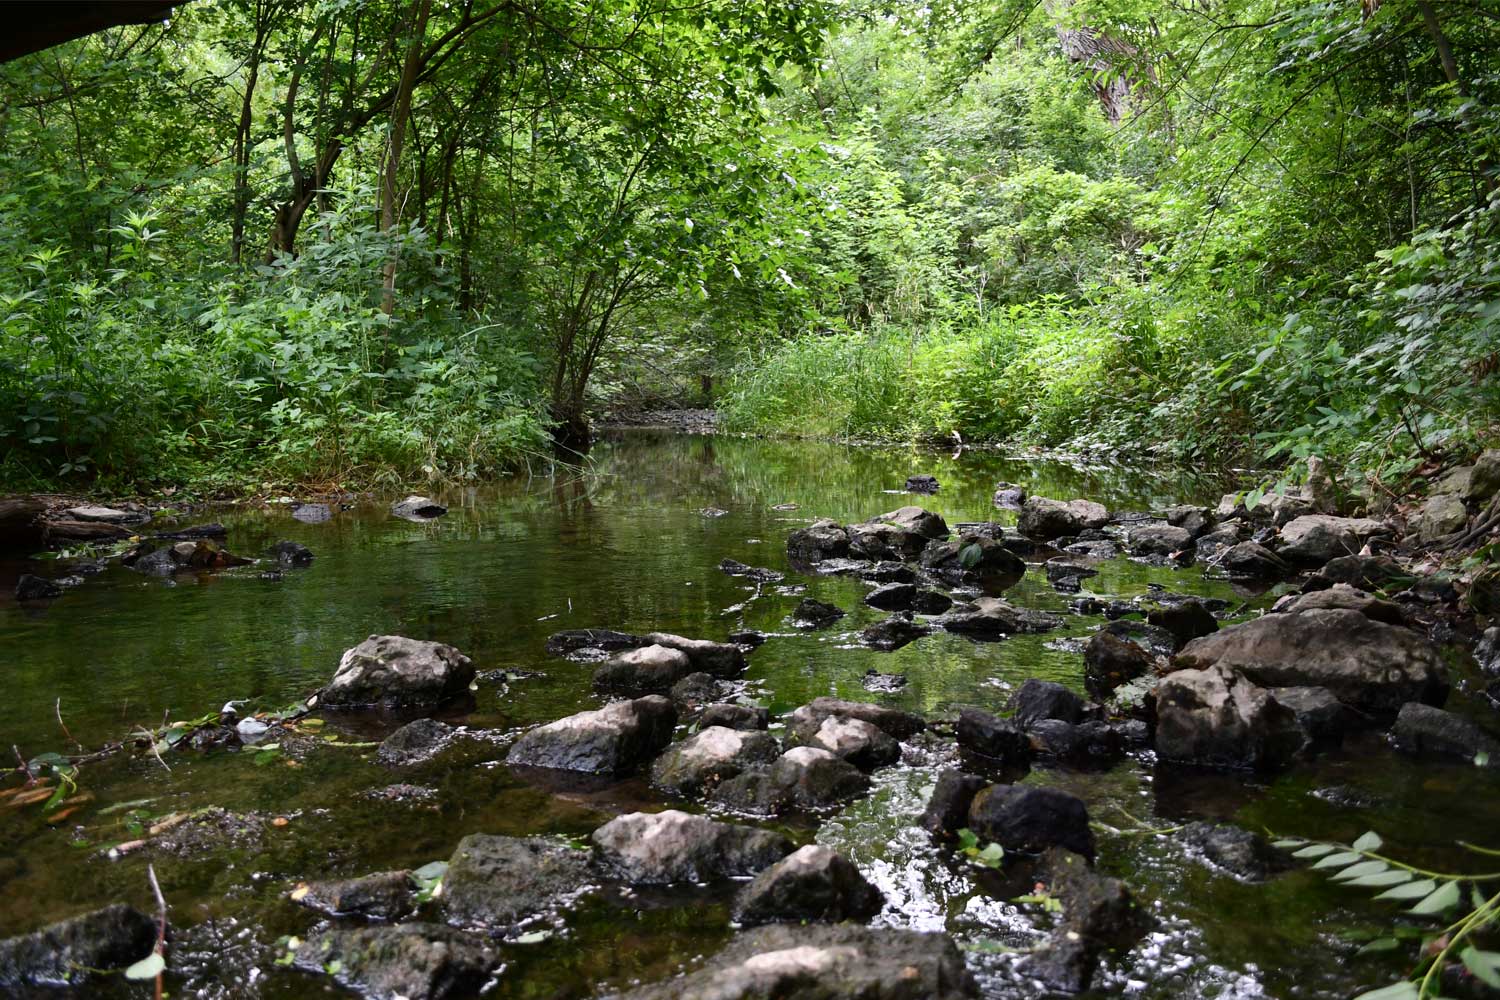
x=382, y=896
x=499, y=883
x=1218, y=718
x=110, y=938
x=814, y=884
x=711, y=755
x=674, y=846
x=416, y=961
x=1031, y=818
x=394, y=671
x=612, y=740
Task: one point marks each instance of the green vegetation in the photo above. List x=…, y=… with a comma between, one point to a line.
x=343, y=243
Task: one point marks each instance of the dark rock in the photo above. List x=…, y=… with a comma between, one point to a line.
x=415, y=508
x=393, y=670
x=711, y=755
x=947, y=809
x=892, y=597
x=888, y=572
x=1321, y=715
x=817, y=542
x=973, y=559
x=1153, y=639
x=880, y=683
x=695, y=689
x=1049, y=519
x=1487, y=651
x=383, y=896
x=611, y=740
x=749, y=639
x=1089, y=742
x=810, y=613
x=674, y=846
x=36, y=588
x=1001, y=739
x=647, y=670
x=881, y=540
x=1253, y=561
x=916, y=520
x=1195, y=520
x=1060, y=568
x=1186, y=621
x=1158, y=540
x=989, y=618
x=498, y=884
x=1313, y=539
x=416, y=961
x=290, y=553
x=574, y=641
x=114, y=937
x=415, y=743
x=1341, y=596
x=1031, y=818
x=1092, y=552
x=813, y=884
x=201, y=556
x=894, y=632
x=804, y=779
x=312, y=513
x=1008, y=496
x=1109, y=661
x=824, y=962
x=1039, y=699
x=756, y=573
x=1239, y=852
x=900, y=725
x=743, y=717
x=1213, y=543
x=1361, y=572
x=1100, y=916
x=1216, y=717
x=1423, y=729
x=921, y=484
x=724, y=660
x=205, y=739
x=860, y=743
x=194, y=532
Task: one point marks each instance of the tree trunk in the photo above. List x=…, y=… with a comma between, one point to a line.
x=399, y=116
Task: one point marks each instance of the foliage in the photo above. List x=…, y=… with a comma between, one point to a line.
x=987, y=855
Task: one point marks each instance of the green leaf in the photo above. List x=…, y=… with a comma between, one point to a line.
x=431, y=870
x=1338, y=860
x=534, y=937
x=1484, y=964
x=1412, y=890
x=1287, y=845
x=1360, y=870
x=147, y=968
x=1370, y=841
x=1379, y=945
x=1444, y=897
x=1381, y=879
x=1314, y=851
x=1404, y=990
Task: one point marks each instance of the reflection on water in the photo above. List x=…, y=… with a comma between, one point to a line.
x=627, y=545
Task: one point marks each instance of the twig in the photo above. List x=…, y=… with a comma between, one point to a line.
x=60, y=722
x=25, y=767
x=161, y=921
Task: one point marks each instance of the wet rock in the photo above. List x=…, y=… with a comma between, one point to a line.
x=1109, y=661
x=611, y=740
x=500, y=883
x=403, y=793
x=1061, y=568
x=647, y=670
x=812, y=885
x=860, y=743
x=711, y=755
x=1216, y=717
x=1194, y=520
x=290, y=553
x=1443, y=514
x=743, y=717
x=65, y=952
x=748, y=638
x=894, y=632
x=416, y=508
x=393, y=670
x=879, y=540
x=1313, y=539
x=916, y=520
x=574, y=641
x=180, y=557
x=819, y=541
x=1369, y=665
x=1153, y=639
x=1253, y=561
x=36, y=588
x=415, y=743
x=1319, y=713
x=724, y=660
x=1186, y=621
x=674, y=846
x=1091, y=553
x=947, y=809
x=1487, y=651
x=812, y=614
x=1000, y=739
x=1241, y=853
x=888, y=572
x=880, y=683
x=1341, y=596
x=205, y=739
x=989, y=618
x=1361, y=572
x=804, y=779
x=973, y=559
x=1039, y=699
x=1100, y=916
x=1030, y=819
x=312, y=513
x=922, y=484
x=1048, y=519
x=809, y=718
x=383, y=896
x=1158, y=540
x=415, y=961
x=908, y=597
x=824, y=962
x=1423, y=729
x=1008, y=496
x=1086, y=743
x=695, y=689
x=757, y=573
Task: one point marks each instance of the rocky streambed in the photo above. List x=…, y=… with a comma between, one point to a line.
x=710, y=724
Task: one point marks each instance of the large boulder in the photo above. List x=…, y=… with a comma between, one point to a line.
x=394, y=671
x=1216, y=717
x=674, y=846
x=1031, y=818
x=69, y=951
x=804, y=779
x=1371, y=666
x=416, y=961
x=711, y=755
x=1046, y=519
x=880, y=540
x=1109, y=661
x=973, y=559
x=824, y=962
x=724, y=660
x=612, y=740
x=999, y=739
x=1313, y=539
x=1100, y=916
x=1038, y=699
x=646, y=670
x=497, y=883
x=813, y=884
x=820, y=540
x=807, y=719
x=382, y=896
x=1158, y=540
x=1423, y=729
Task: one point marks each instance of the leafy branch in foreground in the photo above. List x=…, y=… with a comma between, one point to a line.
x=1432, y=896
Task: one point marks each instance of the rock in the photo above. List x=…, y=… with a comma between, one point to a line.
x=105, y=515
x=990, y=618
x=1194, y=520
x=647, y=670
x=1483, y=596
x=1186, y=621
x=947, y=809
x=809, y=718
x=312, y=513
x=1158, y=540
x=180, y=557
x=1001, y=739
x=711, y=755
x=1443, y=514
x=674, y=846
x=1216, y=717
x=860, y=743
x=812, y=613
x=498, y=884
x=1030, y=819
x=611, y=740
x=1319, y=714
x=724, y=660
x=1253, y=561
x=756, y=573
x=1008, y=496
x=1099, y=916
x=1038, y=699
x=1090, y=742
x=416, y=961
x=748, y=638
x=392, y=670
x=415, y=508
x=1064, y=568
x=804, y=779
x=1156, y=641
x=888, y=572
x=892, y=596
x=824, y=962
x=1109, y=661
x=921, y=484
x=894, y=632
x=1487, y=651
x=1423, y=729
x=574, y=641
x=879, y=540
x=743, y=717
x=1241, y=853
x=915, y=520
x=415, y=743
x=1048, y=519
x=290, y=553
x=1484, y=480
x=812, y=885
x=874, y=680
x=973, y=559
x=1369, y=665
x=1341, y=596
x=1091, y=553
x=114, y=937
x=194, y=532
x=36, y=588
x=821, y=540
x=383, y=896
x=1361, y=572
x=695, y=689
x=1313, y=539
x=1215, y=541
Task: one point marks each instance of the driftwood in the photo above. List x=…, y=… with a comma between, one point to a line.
x=82, y=531
x=18, y=521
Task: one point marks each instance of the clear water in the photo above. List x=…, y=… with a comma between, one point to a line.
x=626, y=546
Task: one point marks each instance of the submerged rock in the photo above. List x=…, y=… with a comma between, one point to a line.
x=711, y=755
x=1030, y=819
x=290, y=553
x=36, y=588
x=813, y=884
x=1423, y=729
x=922, y=484
x=612, y=740
x=392, y=670
x=757, y=573
x=69, y=951
x=415, y=743
x=810, y=613
x=416, y=961
x=804, y=779
x=180, y=557
x=500, y=883
x=1216, y=717
x=894, y=632
x=572, y=642
x=674, y=846
x=1241, y=853
x=418, y=508
x=382, y=896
